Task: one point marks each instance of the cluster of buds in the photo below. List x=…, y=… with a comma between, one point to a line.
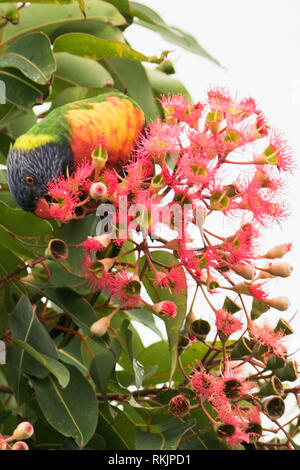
x=23, y=431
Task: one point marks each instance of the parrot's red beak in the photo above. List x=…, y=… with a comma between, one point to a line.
x=42, y=209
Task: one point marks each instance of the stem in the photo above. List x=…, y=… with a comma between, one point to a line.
x=69, y=330
x=19, y=269
x=182, y=369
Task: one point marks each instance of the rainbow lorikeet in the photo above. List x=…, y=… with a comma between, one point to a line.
x=66, y=137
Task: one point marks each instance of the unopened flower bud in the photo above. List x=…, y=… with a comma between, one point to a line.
x=179, y=406
x=279, y=269
x=104, y=239
x=20, y=445
x=99, y=328
x=98, y=191
x=242, y=288
x=107, y=263
x=278, y=251
x=247, y=271
x=172, y=244
x=280, y=303
x=24, y=430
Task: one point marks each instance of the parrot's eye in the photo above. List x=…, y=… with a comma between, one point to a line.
x=29, y=180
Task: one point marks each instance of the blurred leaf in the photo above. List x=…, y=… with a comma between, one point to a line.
x=58, y=17
x=60, y=277
x=71, y=354
x=167, y=439
x=5, y=143
x=163, y=84
x=25, y=326
x=73, y=410
x=152, y=357
x=151, y=20
x=73, y=234
x=136, y=367
x=146, y=318
x=22, y=223
x=36, y=63
x=86, y=45
x=157, y=294
x=74, y=71
x=52, y=365
x=22, y=124
x=73, y=304
x=122, y=5
x=9, y=112
x=130, y=78
x=75, y=93
x=13, y=244
x=118, y=432
x=20, y=90
x=201, y=440
x=101, y=368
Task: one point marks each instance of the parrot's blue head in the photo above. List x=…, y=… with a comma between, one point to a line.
x=29, y=172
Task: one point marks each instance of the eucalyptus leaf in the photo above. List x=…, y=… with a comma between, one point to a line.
x=73, y=410
x=36, y=63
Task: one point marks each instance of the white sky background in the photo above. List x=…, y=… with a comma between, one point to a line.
x=258, y=43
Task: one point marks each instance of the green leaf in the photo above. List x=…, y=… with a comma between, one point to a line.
x=71, y=354
x=151, y=20
x=167, y=439
x=73, y=234
x=202, y=440
x=130, y=77
x=26, y=327
x=60, y=17
x=136, y=367
x=75, y=93
x=14, y=245
x=73, y=410
x=36, y=63
x=163, y=84
x=118, y=432
x=86, y=45
x=20, y=90
x=52, y=365
x=9, y=112
x=73, y=70
x=70, y=302
x=22, y=124
x=145, y=317
x=151, y=359
x=23, y=223
x=122, y=5
x=5, y=143
x=157, y=294
x=60, y=277
x=101, y=369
